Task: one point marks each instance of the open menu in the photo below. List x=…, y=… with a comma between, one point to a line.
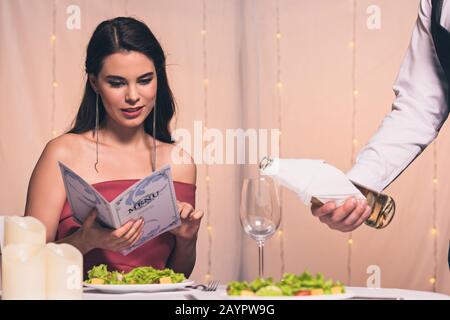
x=153, y=198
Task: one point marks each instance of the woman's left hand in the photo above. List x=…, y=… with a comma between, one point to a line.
x=190, y=222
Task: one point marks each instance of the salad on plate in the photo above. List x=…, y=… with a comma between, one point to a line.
x=99, y=275
x=290, y=284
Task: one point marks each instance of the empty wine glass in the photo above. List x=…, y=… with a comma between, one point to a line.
x=260, y=212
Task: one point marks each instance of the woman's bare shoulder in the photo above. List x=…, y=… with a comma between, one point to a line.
x=63, y=147
x=183, y=165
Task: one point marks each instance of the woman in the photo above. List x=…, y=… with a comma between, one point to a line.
x=111, y=145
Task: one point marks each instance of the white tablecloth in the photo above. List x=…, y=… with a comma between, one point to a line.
x=220, y=294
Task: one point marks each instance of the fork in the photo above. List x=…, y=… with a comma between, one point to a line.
x=210, y=287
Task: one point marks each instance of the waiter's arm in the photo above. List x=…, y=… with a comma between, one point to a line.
x=418, y=112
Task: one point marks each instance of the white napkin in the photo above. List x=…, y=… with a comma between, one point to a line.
x=312, y=178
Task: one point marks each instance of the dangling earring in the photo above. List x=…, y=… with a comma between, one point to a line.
x=154, y=139
x=96, y=131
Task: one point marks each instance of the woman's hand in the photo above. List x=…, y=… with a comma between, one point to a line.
x=95, y=236
x=190, y=222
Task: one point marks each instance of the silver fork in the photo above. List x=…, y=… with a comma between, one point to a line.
x=210, y=287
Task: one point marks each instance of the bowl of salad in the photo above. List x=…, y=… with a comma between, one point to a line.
x=290, y=286
x=140, y=279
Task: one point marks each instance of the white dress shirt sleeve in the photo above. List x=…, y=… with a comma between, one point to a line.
x=418, y=112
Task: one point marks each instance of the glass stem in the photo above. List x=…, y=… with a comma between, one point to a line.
x=261, y=258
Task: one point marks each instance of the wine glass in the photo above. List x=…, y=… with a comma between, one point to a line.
x=260, y=212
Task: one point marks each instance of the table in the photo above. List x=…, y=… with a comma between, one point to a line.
x=192, y=294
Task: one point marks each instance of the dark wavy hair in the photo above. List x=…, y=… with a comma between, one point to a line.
x=126, y=34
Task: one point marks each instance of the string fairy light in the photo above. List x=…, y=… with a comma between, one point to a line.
x=54, y=82
x=257, y=28
x=434, y=230
x=355, y=92
x=279, y=85
x=205, y=82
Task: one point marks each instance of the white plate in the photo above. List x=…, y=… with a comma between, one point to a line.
x=347, y=295
x=126, y=288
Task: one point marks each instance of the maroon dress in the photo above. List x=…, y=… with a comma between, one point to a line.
x=153, y=253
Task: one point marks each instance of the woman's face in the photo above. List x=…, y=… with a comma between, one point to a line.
x=127, y=84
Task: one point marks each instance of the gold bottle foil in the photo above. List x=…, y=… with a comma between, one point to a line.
x=383, y=208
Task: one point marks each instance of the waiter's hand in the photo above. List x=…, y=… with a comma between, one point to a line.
x=345, y=218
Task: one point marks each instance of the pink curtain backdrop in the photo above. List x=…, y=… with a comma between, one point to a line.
x=316, y=102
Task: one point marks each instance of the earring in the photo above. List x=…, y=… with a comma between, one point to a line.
x=96, y=131
x=154, y=139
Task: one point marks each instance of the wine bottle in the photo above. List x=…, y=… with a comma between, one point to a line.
x=382, y=205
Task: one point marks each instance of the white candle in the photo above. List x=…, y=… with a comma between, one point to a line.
x=64, y=272
x=23, y=268
x=24, y=230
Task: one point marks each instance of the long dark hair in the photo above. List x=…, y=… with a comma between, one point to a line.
x=126, y=34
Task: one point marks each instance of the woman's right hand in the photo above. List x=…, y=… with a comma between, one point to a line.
x=95, y=236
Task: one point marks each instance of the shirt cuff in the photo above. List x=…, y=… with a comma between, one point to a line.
x=364, y=177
